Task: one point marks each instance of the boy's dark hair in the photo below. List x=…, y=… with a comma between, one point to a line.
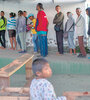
x=40, y=5
x=20, y=12
x=25, y=11
x=68, y=12
x=38, y=64
x=2, y=12
x=12, y=14
x=58, y=6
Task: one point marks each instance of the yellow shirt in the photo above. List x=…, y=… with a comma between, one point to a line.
x=34, y=23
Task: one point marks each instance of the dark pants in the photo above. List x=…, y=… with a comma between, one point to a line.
x=59, y=37
x=81, y=45
x=2, y=38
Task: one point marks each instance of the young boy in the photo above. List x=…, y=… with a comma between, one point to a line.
x=33, y=31
x=42, y=89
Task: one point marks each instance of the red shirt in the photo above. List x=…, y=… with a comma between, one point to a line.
x=42, y=21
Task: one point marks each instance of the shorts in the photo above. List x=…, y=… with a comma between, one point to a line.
x=12, y=33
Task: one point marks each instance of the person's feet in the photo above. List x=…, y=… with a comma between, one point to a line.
x=88, y=51
x=81, y=56
x=23, y=51
x=11, y=48
x=20, y=50
x=2, y=48
x=57, y=53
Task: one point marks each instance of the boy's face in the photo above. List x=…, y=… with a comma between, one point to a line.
x=46, y=72
x=24, y=14
x=31, y=18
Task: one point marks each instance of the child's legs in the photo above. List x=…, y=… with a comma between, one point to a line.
x=14, y=39
x=34, y=39
x=11, y=41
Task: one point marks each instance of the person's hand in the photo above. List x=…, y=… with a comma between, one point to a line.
x=30, y=25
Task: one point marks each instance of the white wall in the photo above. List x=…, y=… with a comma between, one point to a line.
x=30, y=7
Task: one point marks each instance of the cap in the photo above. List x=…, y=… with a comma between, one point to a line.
x=30, y=15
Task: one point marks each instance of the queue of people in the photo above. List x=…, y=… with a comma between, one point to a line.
x=70, y=30
x=17, y=29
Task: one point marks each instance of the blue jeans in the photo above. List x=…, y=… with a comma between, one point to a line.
x=19, y=42
x=35, y=42
x=43, y=45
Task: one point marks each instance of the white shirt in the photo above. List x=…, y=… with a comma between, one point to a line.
x=41, y=89
x=80, y=26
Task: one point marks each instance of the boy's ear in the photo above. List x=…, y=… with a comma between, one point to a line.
x=38, y=74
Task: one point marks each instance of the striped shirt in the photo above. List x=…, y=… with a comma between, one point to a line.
x=11, y=23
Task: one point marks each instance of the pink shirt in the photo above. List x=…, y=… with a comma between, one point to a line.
x=42, y=21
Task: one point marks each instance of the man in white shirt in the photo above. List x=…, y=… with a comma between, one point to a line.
x=80, y=31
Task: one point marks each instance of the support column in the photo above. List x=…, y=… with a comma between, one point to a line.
x=4, y=82
x=28, y=67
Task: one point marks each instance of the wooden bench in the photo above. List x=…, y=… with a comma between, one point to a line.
x=15, y=94
x=11, y=68
x=76, y=95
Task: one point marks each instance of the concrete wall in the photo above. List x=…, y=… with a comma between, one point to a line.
x=49, y=7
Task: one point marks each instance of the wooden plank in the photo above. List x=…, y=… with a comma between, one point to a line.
x=4, y=82
x=74, y=95
x=25, y=90
x=14, y=98
x=15, y=94
x=28, y=68
x=29, y=81
x=15, y=65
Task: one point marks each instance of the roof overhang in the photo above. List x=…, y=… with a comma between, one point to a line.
x=68, y=1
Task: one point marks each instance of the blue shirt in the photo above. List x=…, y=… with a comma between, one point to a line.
x=11, y=23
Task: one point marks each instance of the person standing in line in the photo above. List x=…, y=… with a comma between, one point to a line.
x=70, y=29
x=58, y=21
x=88, y=14
x=21, y=31
x=25, y=15
x=3, y=23
x=11, y=27
x=80, y=31
x=33, y=32
x=42, y=28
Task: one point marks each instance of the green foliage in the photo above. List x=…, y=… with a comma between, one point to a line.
x=78, y=49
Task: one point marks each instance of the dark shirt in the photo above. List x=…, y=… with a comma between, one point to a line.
x=58, y=19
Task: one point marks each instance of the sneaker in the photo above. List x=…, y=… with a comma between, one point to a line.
x=82, y=56
x=22, y=52
x=88, y=51
x=79, y=55
x=25, y=51
x=35, y=52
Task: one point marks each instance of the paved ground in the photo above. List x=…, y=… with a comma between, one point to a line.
x=61, y=82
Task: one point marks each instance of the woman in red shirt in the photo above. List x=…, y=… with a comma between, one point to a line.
x=42, y=28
